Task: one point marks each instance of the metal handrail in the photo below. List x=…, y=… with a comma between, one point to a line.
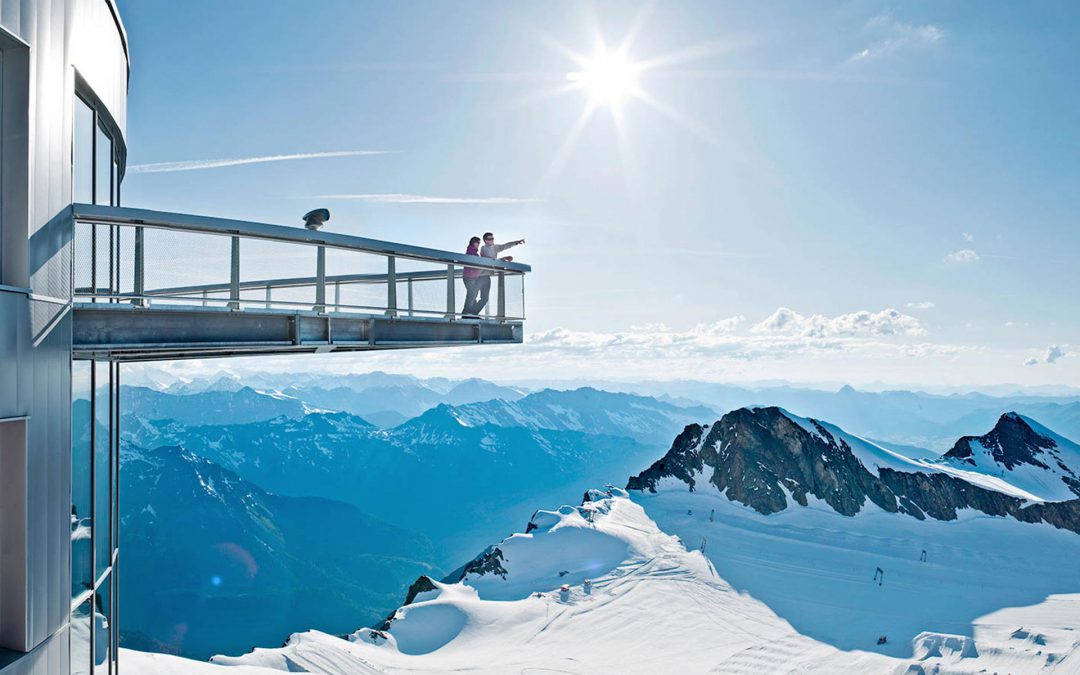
x=140, y=219
x=122, y=215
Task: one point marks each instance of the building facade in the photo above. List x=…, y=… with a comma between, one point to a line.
x=86, y=284
x=63, y=98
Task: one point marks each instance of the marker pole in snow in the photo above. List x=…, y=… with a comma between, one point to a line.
x=922, y=558
x=712, y=515
x=879, y=576
x=702, y=548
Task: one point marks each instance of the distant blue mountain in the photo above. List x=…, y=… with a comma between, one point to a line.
x=909, y=418
x=549, y=442
x=212, y=562
x=210, y=406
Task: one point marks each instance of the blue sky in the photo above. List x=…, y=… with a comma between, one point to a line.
x=857, y=191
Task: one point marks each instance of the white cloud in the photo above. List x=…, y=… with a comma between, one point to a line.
x=962, y=257
x=724, y=350
x=967, y=236
x=922, y=304
x=893, y=36
x=398, y=198
x=196, y=164
x=1053, y=354
x=887, y=322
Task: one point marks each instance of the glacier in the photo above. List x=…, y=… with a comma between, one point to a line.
x=691, y=582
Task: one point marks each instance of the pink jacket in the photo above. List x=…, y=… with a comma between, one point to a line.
x=471, y=272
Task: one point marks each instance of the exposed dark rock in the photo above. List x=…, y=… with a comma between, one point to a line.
x=682, y=461
x=1011, y=442
x=755, y=454
x=758, y=456
x=423, y=584
x=488, y=562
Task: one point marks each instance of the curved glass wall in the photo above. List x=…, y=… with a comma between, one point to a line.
x=94, y=427
x=82, y=458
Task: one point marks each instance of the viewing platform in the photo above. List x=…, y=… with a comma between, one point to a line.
x=150, y=285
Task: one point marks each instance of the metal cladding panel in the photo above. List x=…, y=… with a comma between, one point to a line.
x=13, y=325
x=65, y=37
x=50, y=658
x=48, y=483
x=99, y=54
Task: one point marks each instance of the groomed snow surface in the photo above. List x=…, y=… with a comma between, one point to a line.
x=771, y=594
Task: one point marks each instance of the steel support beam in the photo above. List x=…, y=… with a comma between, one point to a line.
x=122, y=332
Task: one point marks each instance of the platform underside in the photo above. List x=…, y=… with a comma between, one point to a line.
x=123, y=332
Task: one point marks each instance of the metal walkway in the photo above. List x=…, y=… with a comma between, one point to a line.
x=150, y=285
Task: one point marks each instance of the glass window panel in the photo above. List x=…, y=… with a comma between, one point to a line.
x=115, y=183
x=102, y=469
x=103, y=168
x=82, y=457
x=114, y=626
x=82, y=156
x=80, y=639
x=103, y=627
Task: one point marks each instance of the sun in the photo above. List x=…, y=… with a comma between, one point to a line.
x=608, y=77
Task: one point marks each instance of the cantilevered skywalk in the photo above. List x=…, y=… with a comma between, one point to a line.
x=150, y=285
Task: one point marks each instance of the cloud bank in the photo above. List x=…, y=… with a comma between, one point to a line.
x=887, y=322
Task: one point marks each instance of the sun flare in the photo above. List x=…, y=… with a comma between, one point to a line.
x=607, y=77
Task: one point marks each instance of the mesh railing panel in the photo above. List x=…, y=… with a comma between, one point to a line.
x=175, y=259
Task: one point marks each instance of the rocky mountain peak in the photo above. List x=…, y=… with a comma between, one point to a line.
x=762, y=456
x=758, y=456
x=1011, y=442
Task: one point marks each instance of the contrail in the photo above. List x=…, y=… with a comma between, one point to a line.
x=396, y=198
x=196, y=164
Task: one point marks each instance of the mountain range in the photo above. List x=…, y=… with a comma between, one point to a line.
x=211, y=559
x=252, y=485
x=794, y=516
x=548, y=443
x=760, y=542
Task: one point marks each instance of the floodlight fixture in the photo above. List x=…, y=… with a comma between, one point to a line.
x=315, y=218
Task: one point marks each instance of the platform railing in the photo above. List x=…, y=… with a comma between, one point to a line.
x=151, y=258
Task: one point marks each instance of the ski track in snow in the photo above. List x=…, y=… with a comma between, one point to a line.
x=791, y=592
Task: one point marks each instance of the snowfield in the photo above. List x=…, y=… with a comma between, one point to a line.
x=793, y=591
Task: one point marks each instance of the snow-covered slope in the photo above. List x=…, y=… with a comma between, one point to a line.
x=1023, y=453
x=788, y=592
x=767, y=458
x=875, y=457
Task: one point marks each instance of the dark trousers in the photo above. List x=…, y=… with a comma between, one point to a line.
x=477, y=290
